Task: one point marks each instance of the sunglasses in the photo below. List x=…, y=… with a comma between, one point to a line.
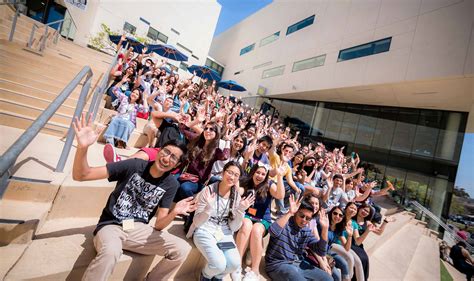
x=337, y=214
x=210, y=129
x=302, y=216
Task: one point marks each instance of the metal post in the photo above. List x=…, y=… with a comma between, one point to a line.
x=57, y=33
x=30, y=41
x=4, y=182
x=12, y=31
x=70, y=133
x=45, y=36
x=68, y=30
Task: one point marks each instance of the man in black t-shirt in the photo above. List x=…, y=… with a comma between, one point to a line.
x=143, y=189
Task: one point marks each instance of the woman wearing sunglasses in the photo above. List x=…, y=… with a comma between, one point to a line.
x=257, y=218
x=220, y=211
x=336, y=227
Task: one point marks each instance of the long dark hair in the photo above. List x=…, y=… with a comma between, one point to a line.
x=371, y=211
x=260, y=189
x=339, y=226
x=232, y=189
x=198, y=145
x=244, y=140
x=345, y=219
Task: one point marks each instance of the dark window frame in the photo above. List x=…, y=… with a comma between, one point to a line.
x=372, y=49
x=300, y=25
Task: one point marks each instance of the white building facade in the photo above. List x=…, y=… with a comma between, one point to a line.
x=187, y=25
x=392, y=80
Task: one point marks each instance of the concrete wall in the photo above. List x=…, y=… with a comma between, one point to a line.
x=194, y=20
x=430, y=40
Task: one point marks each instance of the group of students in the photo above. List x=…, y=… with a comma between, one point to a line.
x=219, y=165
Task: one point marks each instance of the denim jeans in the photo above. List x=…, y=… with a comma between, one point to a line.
x=299, y=271
x=341, y=263
x=188, y=189
x=219, y=263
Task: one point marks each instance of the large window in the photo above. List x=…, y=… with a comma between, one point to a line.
x=309, y=63
x=269, y=39
x=279, y=70
x=130, y=28
x=300, y=25
x=247, y=49
x=156, y=35
x=214, y=65
x=364, y=50
x=262, y=65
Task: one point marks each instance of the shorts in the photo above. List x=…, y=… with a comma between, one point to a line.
x=266, y=224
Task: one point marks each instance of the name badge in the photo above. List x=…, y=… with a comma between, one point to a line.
x=218, y=234
x=128, y=224
x=252, y=211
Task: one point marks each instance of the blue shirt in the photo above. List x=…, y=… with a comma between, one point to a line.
x=288, y=244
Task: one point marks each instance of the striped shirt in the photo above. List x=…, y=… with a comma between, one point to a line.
x=288, y=244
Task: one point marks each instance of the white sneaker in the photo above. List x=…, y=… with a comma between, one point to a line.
x=250, y=276
x=236, y=275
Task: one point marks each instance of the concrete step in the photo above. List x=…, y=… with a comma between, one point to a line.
x=17, y=120
x=10, y=255
x=373, y=241
x=455, y=274
x=63, y=250
x=425, y=263
x=14, y=88
x=32, y=111
x=20, y=219
x=34, y=101
x=392, y=260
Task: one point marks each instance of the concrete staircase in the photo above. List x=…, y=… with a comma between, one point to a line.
x=47, y=219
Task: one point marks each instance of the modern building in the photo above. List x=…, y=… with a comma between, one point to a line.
x=187, y=25
x=390, y=80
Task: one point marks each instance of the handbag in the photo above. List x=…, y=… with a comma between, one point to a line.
x=188, y=177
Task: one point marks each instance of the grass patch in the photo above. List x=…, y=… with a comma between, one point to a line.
x=445, y=276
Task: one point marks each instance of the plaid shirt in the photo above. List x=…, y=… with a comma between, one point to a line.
x=124, y=110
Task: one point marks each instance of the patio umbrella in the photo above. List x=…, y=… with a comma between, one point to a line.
x=231, y=85
x=137, y=46
x=205, y=72
x=168, y=51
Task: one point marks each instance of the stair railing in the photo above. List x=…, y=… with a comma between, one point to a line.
x=14, y=4
x=447, y=230
x=8, y=159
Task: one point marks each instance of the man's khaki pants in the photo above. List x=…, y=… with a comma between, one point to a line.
x=111, y=240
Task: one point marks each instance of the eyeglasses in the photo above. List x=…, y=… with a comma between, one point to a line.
x=232, y=174
x=210, y=129
x=337, y=214
x=302, y=216
x=165, y=153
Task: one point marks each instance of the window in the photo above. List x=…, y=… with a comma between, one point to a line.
x=156, y=35
x=364, y=50
x=309, y=63
x=175, y=31
x=247, y=49
x=183, y=66
x=300, y=25
x=127, y=27
x=181, y=46
x=214, y=65
x=273, y=71
x=269, y=39
x=238, y=72
x=144, y=20
x=262, y=65
x=195, y=57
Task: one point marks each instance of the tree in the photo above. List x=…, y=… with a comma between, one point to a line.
x=101, y=41
x=461, y=192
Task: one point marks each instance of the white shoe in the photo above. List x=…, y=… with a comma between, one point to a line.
x=236, y=275
x=250, y=276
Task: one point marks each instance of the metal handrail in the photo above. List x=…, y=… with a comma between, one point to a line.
x=8, y=159
x=443, y=225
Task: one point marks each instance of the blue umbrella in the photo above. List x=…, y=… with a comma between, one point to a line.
x=231, y=85
x=168, y=51
x=132, y=42
x=205, y=72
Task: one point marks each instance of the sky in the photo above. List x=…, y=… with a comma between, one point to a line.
x=465, y=176
x=234, y=11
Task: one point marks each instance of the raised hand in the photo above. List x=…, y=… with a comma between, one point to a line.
x=185, y=206
x=246, y=202
x=209, y=196
x=323, y=219
x=294, y=204
x=349, y=228
x=390, y=186
x=85, y=134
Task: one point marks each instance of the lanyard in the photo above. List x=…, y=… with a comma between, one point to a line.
x=221, y=217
